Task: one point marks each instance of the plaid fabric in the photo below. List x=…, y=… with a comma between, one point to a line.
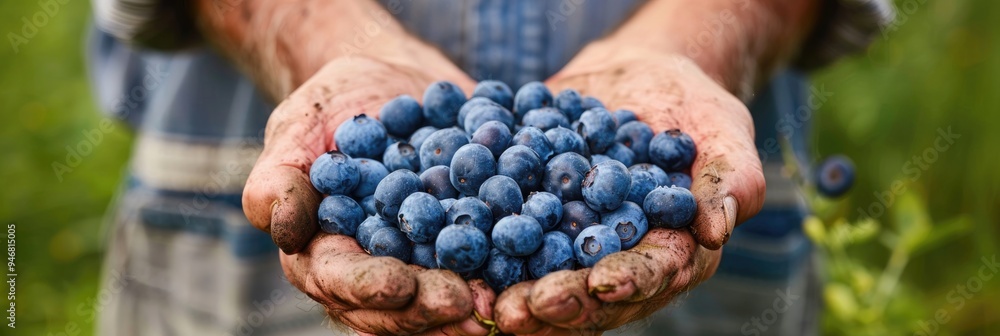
x=182, y=259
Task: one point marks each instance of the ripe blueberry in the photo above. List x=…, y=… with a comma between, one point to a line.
x=555, y=254
x=672, y=150
x=361, y=137
x=440, y=147
x=606, y=185
x=594, y=243
x=502, y=195
x=545, y=208
x=564, y=176
x=576, y=217
x=334, y=173
x=339, y=214
x=523, y=165
x=470, y=167
x=503, y=271
x=390, y=242
x=401, y=116
x=629, y=222
x=421, y=217
x=441, y=103
x=471, y=211
x=393, y=189
x=670, y=207
x=436, y=182
x=461, y=248
x=835, y=176
x=517, y=235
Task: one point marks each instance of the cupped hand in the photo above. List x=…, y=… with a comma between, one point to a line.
x=372, y=295
x=665, y=91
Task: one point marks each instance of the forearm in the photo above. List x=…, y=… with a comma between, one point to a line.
x=736, y=42
x=283, y=43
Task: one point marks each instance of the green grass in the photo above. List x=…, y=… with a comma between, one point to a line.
x=939, y=69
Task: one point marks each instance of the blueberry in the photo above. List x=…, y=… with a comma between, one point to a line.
x=471, y=211
x=371, y=172
x=401, y=116
x=598, y=158
x=589, y=102
x=502, y=195
x=339, y=214
x=594, y=243
x=401, y=155
x=421, y=217
x=545, y=118
x=555, y=254
x=623, y=116
x=390, y=242
x=469, y=105
x=481, y=114
x=529, y=97
x=393, y=189
x=503, y=271
x=564, y=140
x=672, y=150
x=389, y=141
x=440, y=146
x=636, y=136
x=446, y=204
x=606, y=185
x=835, y=176
x=597, y=129
x=368, y=204
x=361, y=137
x=461, y=248
x=494, y=135
x=545, y=208
x=334, y=173
x=661, y=177
x=570, y=104
x=441, y=103
x=523, y=165
x=576, y=217
x=517, y=235
x=535, y=139
x=670, y=207
x=496, y=91
x=367, y=229
x=642, y=183
x=470, y=167
x=423, y=255
x=621, y=153
x=564, y=175
x=629, y=222
x=680, y=179
x=421, y=134
x=437, y=183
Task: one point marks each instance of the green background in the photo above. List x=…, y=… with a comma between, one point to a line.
x=938, y=68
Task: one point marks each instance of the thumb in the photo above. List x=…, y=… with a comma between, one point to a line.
x=727, y=179
x=279, y=197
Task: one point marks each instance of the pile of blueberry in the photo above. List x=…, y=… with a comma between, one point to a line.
x=502, y=187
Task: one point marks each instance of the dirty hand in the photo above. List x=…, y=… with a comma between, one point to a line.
x=372, y=295
x=665, y=91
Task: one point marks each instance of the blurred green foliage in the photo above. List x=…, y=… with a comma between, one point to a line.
x=937, y=69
